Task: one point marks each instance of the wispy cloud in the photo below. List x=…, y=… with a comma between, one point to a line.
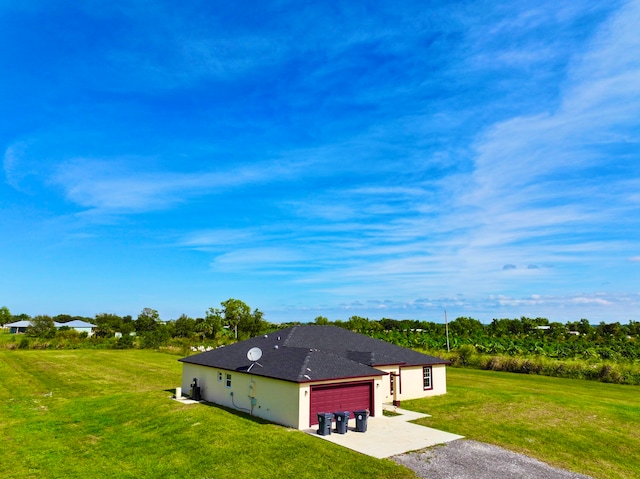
x=548, y=175
x=130, y=184
x=13, y=173
x=114, y=187
x=388, y=158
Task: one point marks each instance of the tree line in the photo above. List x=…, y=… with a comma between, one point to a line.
x=576, y=349
x=234, y=320
x=507, y=336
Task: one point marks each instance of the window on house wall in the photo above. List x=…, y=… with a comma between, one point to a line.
x=228, y=383
x=426, y=378
x=395, y=383
x=220, y=376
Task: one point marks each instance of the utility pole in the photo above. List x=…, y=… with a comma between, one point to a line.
x=446, y=327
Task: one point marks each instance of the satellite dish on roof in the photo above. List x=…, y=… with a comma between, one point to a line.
x=254, y=354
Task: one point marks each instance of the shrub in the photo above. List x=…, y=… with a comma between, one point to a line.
x=494, y=364
x=153, y=339
x=465, y=354
x=530, y=367
x=608, y=374
x=125, y=342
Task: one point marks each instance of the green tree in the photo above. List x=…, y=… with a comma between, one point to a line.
x=42, y=327
x=607, y=330
x=107, y=324
x=214, y=321
x=358, y=323
x=633, y=328
x=5, y=316
x=389, y=324
x=321, y=320
x=255, y=325
x=499, y=328
x=239, y=318
x=464, y=327
x=374, y=326
x=148, y=320
x=155, y=337
x=128, y=325
x=184, y=326
x=557, y=330
x=235, y=312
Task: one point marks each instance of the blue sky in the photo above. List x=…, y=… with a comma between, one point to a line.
x=381, y=159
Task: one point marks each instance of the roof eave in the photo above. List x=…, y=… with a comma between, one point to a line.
x=307, y=381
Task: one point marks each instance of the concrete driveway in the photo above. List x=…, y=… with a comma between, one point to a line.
x=389, y=436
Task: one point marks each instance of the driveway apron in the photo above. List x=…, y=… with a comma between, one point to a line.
x=388, y=436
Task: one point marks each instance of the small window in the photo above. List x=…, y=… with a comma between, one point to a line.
x=219, y=376
x=426, y=378
x=228, y=384
x=395, y=383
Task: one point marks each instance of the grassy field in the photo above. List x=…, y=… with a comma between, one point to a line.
x=109, y=415
x=587, y=427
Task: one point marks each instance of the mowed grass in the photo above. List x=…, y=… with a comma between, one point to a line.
x=584, y=426
x=109, y=416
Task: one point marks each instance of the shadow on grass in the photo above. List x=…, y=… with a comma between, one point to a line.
x=242, y=414
x=235, y=412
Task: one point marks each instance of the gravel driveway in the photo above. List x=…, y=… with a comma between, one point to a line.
x=465, y=459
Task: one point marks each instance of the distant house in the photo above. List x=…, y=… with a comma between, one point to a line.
x=18, y=326
x=81, y=326
x=78, y=325
x=291, y=375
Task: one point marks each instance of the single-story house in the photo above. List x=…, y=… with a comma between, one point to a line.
x=78, y=325
x=291, y=375
x=18, y=327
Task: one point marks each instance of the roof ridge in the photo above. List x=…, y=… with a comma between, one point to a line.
x=288, y=336
x=302, y=373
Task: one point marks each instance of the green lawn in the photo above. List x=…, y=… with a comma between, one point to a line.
x=110, y=415
x=585, y=426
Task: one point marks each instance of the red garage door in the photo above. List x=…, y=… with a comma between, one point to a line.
x=340, y=397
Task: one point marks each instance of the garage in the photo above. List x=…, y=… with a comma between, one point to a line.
x=340, y=397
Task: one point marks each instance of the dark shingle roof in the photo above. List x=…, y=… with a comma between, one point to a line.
x=312, y=353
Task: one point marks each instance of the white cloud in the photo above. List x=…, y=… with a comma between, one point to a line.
x=15, y=169
x=536, y=182
x=583, y=300
x=124, y=185
x=258, y=258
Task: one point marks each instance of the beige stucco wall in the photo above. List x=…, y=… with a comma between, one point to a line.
x=278, y=401
x=439, y=379
x=273, y=400
x=411, y=386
